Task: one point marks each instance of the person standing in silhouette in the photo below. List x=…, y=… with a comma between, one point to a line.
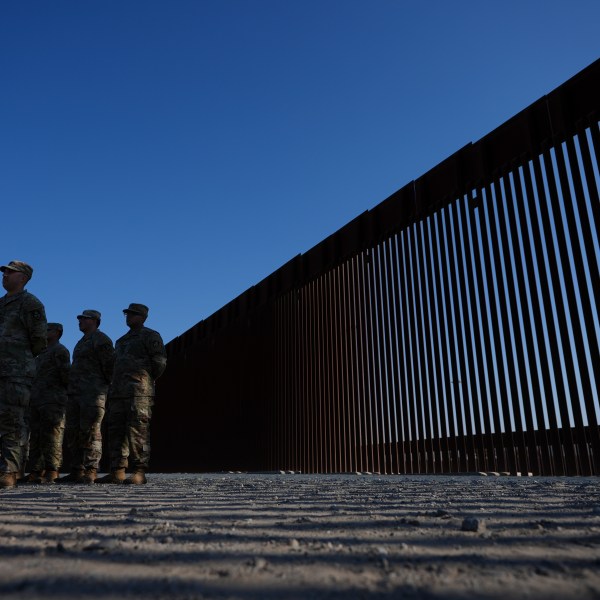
x=91, y=372
x=47, y=410
x=140, y=359
x=22, y=338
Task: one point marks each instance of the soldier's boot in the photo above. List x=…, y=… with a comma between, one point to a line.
x=50, y=476
x=33, y=477
x=89, y=476
x=136, y=478
x=115, y=476
x=8, y=480
x=74, y=476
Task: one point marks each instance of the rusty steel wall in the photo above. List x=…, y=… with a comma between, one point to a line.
x=452, y=328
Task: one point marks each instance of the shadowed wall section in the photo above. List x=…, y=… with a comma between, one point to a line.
x=452, y=328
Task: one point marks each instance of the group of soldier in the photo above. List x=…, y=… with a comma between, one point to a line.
x=47, y=401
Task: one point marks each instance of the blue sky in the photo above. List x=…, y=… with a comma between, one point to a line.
x=176, y=153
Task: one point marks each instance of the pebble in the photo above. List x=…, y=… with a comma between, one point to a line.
x=405, y=521
x=258, y=563
x=472, y=524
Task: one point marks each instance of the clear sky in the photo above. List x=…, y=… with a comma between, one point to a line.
x=176, y=153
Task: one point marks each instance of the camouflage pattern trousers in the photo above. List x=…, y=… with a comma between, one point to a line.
x=47, y=427
x=128, y=429
x=83, y=437
x=14, y=404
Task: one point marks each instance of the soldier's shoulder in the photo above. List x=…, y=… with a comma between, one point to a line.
x=34, y=309
x=62, y=350
x=101, y=339
x=122, y=338
x=31, y=302
x=151, y=332
x=153, y=336
x=154, y=340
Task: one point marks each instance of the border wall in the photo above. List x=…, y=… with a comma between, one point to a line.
x=452, y=328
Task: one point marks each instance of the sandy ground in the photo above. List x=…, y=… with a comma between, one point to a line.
x=191, y=536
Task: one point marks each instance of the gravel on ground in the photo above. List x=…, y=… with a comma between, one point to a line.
x=288, y=535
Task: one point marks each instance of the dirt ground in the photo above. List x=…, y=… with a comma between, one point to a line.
x=236, y=535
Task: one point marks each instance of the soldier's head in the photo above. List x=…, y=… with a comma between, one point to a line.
x=136, y=315
x=15, y=276
x=54, y=333
x=89, y=320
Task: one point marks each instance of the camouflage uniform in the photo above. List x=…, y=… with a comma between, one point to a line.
x=22, y=338
x=48, y=405
x=91, y=372
x=140, y=358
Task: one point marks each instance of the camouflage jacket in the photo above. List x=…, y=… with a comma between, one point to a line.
x=140, y=359
x=93, y=363
x=51, y=376
x=22, y=334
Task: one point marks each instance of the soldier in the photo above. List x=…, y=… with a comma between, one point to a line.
x=140, y=359
x=48, y=405
x=91, y=372
x=22, y=338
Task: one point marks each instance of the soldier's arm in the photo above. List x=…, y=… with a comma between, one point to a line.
x=35, y=317
x=63, y=364
x=158, y=355
x=106, y=355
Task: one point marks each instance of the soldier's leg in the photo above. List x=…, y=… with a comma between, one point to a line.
x=36, y=459
x=25, y=449
x=117, y=415
x=90, y=438
x=14, y=401
x=71, y=436
x=51, y=435
x=139, y=432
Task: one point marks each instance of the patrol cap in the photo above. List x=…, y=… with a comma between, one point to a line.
x=90, y=314
x=55, y=326
x=137, y=309
x=20, y=266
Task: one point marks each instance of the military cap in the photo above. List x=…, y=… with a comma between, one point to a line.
x=90, y=314
x=137, y=309
x=18, y=265
x=56, y=326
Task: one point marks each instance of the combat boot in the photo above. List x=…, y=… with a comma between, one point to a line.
x=89, y=476
x=50, y=476
x=115, y=476
x=73, y=477
x=33, y=477
x=8, y=480
x=136, y=478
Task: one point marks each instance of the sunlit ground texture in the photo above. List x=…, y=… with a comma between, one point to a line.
x=238, y=535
